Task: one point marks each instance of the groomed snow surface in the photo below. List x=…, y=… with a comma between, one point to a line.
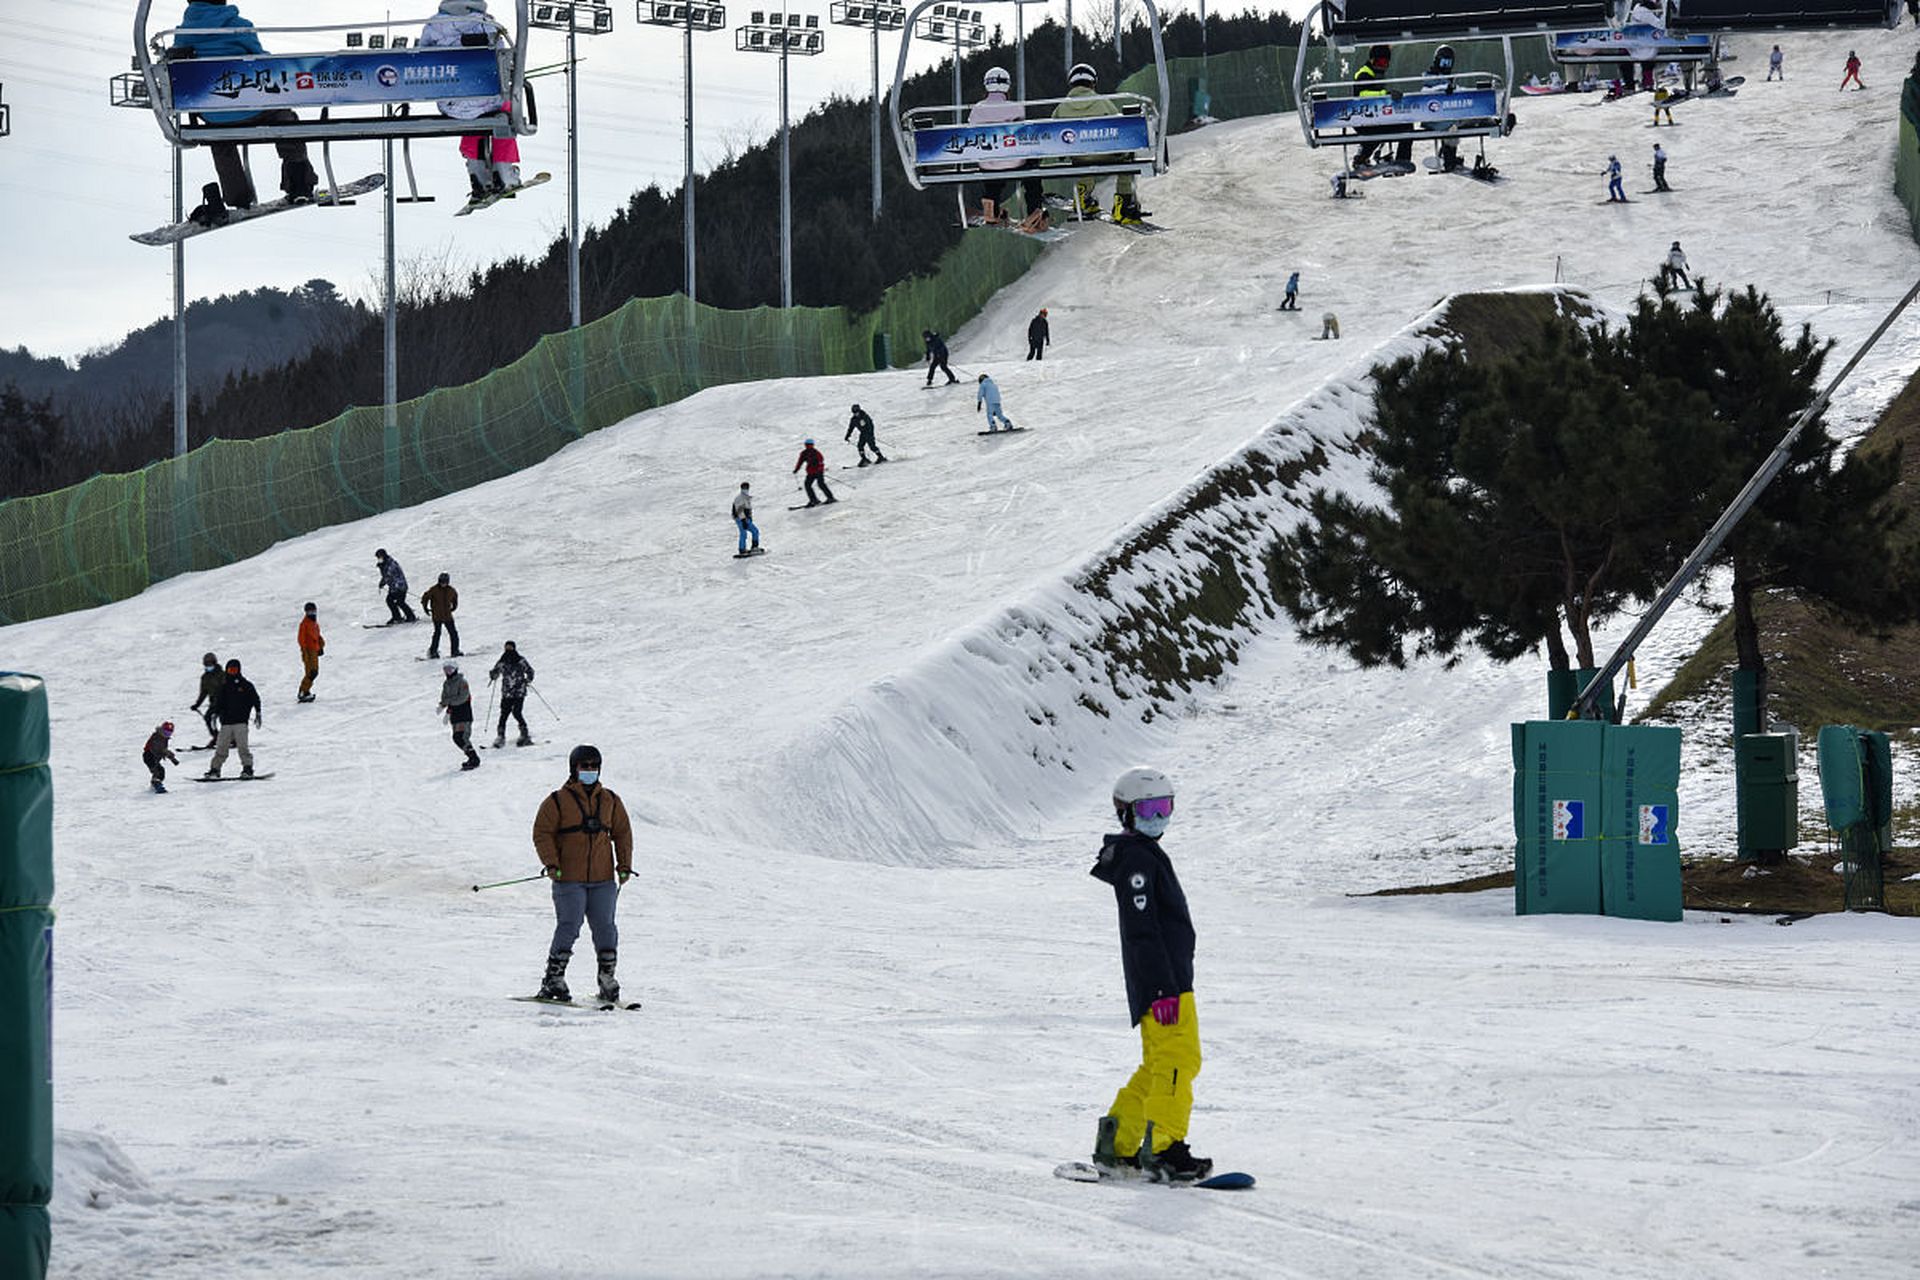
x=882, y=996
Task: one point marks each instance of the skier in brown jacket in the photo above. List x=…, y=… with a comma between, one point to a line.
x=585, y=842
x=439, y=601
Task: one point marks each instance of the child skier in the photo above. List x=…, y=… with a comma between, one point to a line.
x=743, y=517
x=1146, y=1127
x=1660, y=107
x=1774, y=69
x=989, y=398
x=493, y=164
x=862, y=422
x=156, y=750
x=816, y=464
x=456, y=703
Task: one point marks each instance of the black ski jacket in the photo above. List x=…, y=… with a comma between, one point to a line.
x=936, y=349
x=862, y=423
x=1038, y=333
x=237, y=700
x=514, y=672
x=1156, y=933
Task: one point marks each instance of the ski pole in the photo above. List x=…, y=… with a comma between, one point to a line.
x=498, y=883
x=491, y=689
x=543, y=702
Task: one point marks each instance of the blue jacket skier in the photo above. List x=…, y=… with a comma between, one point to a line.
x=212, y=30
x=989, y=398
x=395, y=581
x=1146, y=1127
x=1616, y=194
x=1292, y=301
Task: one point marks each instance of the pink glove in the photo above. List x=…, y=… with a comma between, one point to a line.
x=1165, y=1010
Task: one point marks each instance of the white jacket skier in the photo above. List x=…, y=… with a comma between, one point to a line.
x=444, y=29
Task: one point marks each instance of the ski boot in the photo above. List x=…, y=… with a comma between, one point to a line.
x=473, y=761
x=1175, y=1163
x=526, y=740
x=211, y=775
x=499, y=740
x=864, y=461
x=1084, y=203
x=246, y=772
x=1126, y=210
x=506, y=178
x=298, y=181
x=212, y=211
x=305, y=697
x=878, y=456
x=159, y=787
x=1103, y=1153
x=609, y=985
x=554, y=985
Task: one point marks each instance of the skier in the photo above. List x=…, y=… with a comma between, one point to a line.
x=588, y=859
x=1039, y=336
x=1146, y=1127
x=1378, y=59
x=493, y=164
x=211, y=679
x=1616, y=194
x=989, y=398
x=440, y=600
x=1440, y=80
x=1774, y=67
x=936, y=356
x=1292, y=301
x=1329, y=325
x=1660, y=169
x=515, y=674
x=816, y=464
x=394, y=579
x=1082, y=103
x=1660, y=105
x=237, y=697
x=862, y=423
x=456, y=702
x=1675, y=267
x=1853, y=71
x=157, y=750
x=743, y=517
x=214, y=30
x=996, y=109
x=311, y=647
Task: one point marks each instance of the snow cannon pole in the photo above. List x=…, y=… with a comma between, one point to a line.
x=499, y=884
x=543, y=702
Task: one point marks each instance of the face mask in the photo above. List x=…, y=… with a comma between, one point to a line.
x=1153, y=828
x=589, y=776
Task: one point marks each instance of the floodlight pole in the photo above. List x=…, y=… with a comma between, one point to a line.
x=573, y=181
x=957, y=47
x=1069, y=67
x=179, y=313
x=786, y=189
x=390, y=354
x=876, y=115
x=686, y=181
x=1116, y=30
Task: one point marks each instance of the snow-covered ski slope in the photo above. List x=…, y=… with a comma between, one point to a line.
x=882, y=996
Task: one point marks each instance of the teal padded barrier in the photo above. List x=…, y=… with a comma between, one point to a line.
x=26, y=979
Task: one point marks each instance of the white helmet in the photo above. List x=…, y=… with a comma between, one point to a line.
x=997, y=80
x=1081, y=74
x=1135, y=785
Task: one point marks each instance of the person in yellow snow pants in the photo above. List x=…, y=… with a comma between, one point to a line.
x=1161, y=1090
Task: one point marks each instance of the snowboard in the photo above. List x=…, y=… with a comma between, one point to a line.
x=1081, y=1171
x=1489, y=175
x=1004, y=431
x=1379, y=169
x=495, y=197
x=928, y=386
x=593, y=1005
x=748, y=555
x=258, y=777
x=175, y=232
x=1045, y=237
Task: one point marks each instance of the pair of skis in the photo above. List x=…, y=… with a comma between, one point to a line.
x=595, y=1005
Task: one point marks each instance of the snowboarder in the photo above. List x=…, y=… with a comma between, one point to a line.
x=311, y=647
x=1675, y=268
x=394, y=579
x=1774, y=67
x=1616, y=194
x=158, y=748
x=989, y=399
x=1082, y=103
x=1378, y=59
x=743, y=518
x=585, y=844
x=211, y=678
x=1440, y=80
x=456, y=703
x=515, y=675
x=1039, y=336
x=996, y=109
x=440, y=600
x=1660, y=169
x=936, y=356
x=1146, y=1127
x=236, y=699
x=1853, y=71
x=215, y=30
x=816, y=464
x=1660, y=105
x=1292, y=301
x=1329, y=325
x=493, y=164
x=861, y=422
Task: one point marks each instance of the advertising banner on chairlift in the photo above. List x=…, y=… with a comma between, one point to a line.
x=1407, y=111
x=1019, y=140
x=352, y=77
x=1631, y=44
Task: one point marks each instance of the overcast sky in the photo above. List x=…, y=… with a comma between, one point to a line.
x=78, y=176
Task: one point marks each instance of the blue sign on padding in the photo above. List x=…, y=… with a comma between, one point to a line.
x=265, y=81
x=1407, y=111
x=1030, y=140
x=1569, y=820
x=1630, y=44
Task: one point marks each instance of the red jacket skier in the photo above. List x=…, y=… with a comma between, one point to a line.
x=816, y=464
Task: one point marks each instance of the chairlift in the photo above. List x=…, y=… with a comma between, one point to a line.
x=937, y=145
x=1781, y=15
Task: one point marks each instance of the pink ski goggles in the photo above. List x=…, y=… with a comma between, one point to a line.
x=1153, y=807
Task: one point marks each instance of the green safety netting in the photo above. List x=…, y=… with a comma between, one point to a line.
x=1906, y=163
x=1259, y=82
x=112, y=536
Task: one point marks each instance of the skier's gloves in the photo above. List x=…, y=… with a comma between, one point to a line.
x=625, y=876
x=551, y=873
x=1166, y=1010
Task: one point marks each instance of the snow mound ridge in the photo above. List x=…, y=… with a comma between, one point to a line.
x=970, y=745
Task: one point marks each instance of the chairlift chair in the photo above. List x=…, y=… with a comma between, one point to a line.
x=937, y=145
x=1781, y=15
